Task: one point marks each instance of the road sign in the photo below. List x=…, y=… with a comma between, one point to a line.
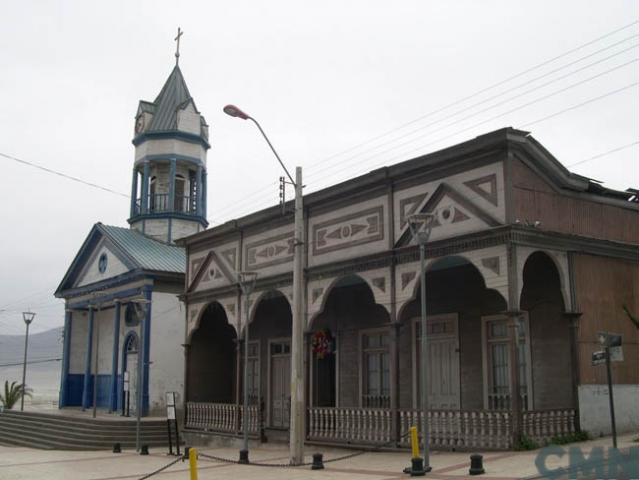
x=599, y=358
x=616, y=354
x=608, y=339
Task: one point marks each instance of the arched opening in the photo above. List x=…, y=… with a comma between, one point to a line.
x=180, y=202
x=129, y=387
x=269, y=358
x=457, y=303
x=154, y=204
x=542, y=299
x=351, y=348
x=211, y=358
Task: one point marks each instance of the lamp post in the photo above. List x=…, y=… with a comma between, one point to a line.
x=142, y=312
x=247, y=284
x=296, y=428
x=28, y=318
x=420, y=227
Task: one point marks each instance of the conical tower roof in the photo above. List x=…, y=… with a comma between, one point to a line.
x=173, y=97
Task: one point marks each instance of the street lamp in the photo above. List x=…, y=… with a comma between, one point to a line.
x=28, y=318
x=143, y=305
x=247, y=284
x=296, y=441
x=420, y=226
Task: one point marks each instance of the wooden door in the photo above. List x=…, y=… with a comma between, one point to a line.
x=443, y=362
x=280, y=390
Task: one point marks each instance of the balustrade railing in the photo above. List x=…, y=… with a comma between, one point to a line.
x=221, y=417
x=350, y=425
x=542, y=425
x=159, y=203
x=448, y=429
x=461, y=429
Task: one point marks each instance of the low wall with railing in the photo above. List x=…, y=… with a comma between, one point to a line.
x=544, y=425
x=221, y=417
x=448, y=429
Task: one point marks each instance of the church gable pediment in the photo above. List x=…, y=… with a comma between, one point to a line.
x=98, y=259
x=455, y=214
x=102, y=264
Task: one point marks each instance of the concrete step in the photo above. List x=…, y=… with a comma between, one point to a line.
x=78, y=426
x=40, y=430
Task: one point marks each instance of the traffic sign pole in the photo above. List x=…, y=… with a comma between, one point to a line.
x=611, y=398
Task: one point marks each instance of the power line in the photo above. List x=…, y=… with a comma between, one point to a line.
x=30, y=362
x=64, y=175
x=481, y=102
x=494, y=85
x=614, y=150
x=573, y=107
x=456, y=102
x=532, y=102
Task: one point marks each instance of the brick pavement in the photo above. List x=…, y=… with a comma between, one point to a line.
x=17, y=463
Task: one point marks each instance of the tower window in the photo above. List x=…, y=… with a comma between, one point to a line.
x=180, y=201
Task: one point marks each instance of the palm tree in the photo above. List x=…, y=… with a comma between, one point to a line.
x=13, y=393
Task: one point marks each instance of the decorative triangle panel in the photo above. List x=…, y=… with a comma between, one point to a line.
x=485, y=187
x=451, y=210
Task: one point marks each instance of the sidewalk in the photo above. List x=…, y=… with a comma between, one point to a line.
x=23, y=463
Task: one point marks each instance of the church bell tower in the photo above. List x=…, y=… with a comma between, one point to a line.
x=168, y=192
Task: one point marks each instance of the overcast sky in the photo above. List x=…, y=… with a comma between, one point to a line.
x=327, y=80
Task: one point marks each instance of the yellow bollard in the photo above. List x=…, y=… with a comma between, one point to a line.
x=414, y=443
x=193, y=463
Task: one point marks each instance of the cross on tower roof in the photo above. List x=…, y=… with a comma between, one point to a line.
x=177, y=51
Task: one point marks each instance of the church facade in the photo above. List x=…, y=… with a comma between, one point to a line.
x=526, y=262
x=124, y=323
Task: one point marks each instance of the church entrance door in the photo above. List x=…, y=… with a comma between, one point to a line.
x=280, y=383
x=132, y=369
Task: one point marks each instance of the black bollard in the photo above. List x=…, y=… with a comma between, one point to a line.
x=117, y=448
x=144, y=450
x=417, y=467
x=244, y=457
x=186, y=453
x=318, y=462
x=476, y=465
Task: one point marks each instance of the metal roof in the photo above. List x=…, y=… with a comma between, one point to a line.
x=148, y=253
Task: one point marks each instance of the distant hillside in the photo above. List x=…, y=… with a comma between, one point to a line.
x=43, y=345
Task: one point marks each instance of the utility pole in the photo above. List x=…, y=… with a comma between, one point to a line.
x=297, y=347
x=297, y=413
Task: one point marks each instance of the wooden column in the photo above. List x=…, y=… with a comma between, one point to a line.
x=394, y=379
x=573, y=326
x=513, y=364
x=238, y=380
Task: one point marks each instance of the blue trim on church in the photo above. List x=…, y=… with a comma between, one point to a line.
x=63, y=398
x=86, y=398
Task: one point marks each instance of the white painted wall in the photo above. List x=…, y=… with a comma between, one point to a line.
x=594, y=410
x=168, y=147
x=77, y=354
x=166, y=372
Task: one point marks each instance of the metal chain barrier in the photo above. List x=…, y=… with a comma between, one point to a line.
x=375, y=448
x=161, y=469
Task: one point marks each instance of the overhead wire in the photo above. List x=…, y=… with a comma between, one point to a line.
x=504, y=101
x=63, y=175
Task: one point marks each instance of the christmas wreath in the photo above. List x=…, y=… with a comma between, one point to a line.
x=322, y=342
